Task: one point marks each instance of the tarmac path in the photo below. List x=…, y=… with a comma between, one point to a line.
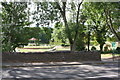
x=63, y=71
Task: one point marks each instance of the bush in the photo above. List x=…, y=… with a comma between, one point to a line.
x=93, y=48
x=106, y=52
x=65, y=45
x=21, y=46
x=106, y=48
x=118, y=50
x=80, y=48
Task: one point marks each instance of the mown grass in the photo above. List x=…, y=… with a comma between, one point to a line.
x=41, y=50
x=108, y=55
x=39, y=46
x=32, y=50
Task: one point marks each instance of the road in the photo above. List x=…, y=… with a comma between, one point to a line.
x=79, y=71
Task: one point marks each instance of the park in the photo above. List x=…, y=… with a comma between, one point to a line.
x=65, y=40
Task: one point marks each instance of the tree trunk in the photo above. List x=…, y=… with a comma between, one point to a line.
x=101, y=47
x=73, y=46
x=89, y=41
x=9, y=44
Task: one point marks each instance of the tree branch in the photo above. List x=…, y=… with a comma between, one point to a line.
x=110, y=25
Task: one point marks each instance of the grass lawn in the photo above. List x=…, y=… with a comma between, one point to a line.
x=63, y=49
x=38, y=46
x=32, y=50
x=40, y=50
x=108, y=55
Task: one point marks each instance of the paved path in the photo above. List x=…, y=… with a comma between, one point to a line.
x=102, y=71
x=107, y=69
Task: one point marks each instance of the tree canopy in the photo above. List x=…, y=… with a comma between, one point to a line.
x=76, y=23
x=14, y=18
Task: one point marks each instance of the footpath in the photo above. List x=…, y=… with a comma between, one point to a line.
x=106, y=69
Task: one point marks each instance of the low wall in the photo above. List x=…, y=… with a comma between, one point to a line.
x=62, y=56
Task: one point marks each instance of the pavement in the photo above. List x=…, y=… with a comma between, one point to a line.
x=107, y=69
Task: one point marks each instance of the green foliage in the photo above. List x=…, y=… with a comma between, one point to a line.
x=81, y=41
x=106, y=52
x=43, y=35
x=14, y=18
x=106, y=48
x=59, y=35
x=110, y=14
x=97, y=21
x=93, y=48
x=46, y=13
x=118, y=50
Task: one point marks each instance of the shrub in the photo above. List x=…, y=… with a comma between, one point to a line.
x=118, y=50
x=93, y=48
x=106, y=52
x=106, y=48
x=80, y=48
x=65, y=45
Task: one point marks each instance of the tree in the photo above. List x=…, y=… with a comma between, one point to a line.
x=46, y=35
x=43, y=35
x=45, y=14
x=81, y=38
x=58, y=35
x=112, y=12
x=62, y=9
x=96, y=19
x=14, y=18
x=51, y=13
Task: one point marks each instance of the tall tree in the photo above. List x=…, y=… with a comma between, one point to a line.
x=14, y=18
x=62, y=9
x=96, y=19
x=58, y=35
x=112, y=14
x=51, y=12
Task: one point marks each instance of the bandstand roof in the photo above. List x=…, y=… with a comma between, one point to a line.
x=33, y=39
